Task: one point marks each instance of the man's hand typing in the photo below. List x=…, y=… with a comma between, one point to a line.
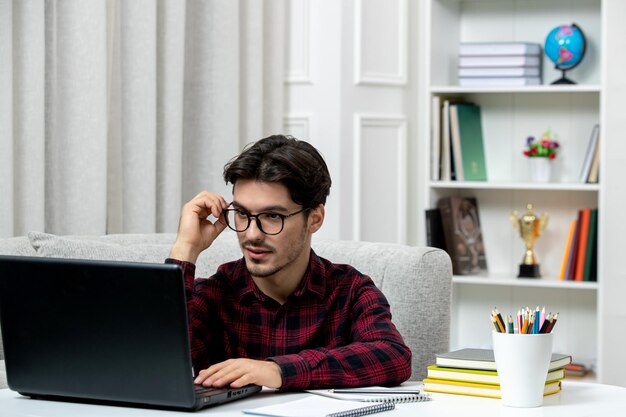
x=240, y=372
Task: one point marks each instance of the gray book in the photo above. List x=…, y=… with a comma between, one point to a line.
x=483, y=359
x=589, y=154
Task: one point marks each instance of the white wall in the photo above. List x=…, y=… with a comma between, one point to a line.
x=350, y=92
x=313, y=93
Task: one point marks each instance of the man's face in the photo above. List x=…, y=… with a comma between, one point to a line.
x=265, y=255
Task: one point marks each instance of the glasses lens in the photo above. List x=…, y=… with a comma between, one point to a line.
x=271, y=224
x=237, y=220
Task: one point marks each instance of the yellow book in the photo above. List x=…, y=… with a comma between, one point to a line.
x=479, y=376
x=477, y=390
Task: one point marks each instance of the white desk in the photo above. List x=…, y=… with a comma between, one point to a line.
x=576, y=399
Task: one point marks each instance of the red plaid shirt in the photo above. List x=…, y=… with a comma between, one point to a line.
x=335, y=330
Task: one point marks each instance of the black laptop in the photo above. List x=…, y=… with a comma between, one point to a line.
x=99, y=331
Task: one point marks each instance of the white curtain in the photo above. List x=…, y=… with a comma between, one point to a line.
x=115, y=112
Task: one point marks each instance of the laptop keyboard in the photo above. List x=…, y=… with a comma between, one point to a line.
x=203, y=391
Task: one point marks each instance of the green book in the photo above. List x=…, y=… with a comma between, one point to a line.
x=591, y=245
x=471, y=142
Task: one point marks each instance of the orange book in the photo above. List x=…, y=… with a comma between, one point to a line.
x=568, y=245
x=582, y=244
x=570, y=269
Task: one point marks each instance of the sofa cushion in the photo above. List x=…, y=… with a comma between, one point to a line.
x=49, y=245
x=16, y=246
x=151, y=248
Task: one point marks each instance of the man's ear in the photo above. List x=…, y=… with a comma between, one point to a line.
x=316, y=218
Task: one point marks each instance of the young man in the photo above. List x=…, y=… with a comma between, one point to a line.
x=281, y=317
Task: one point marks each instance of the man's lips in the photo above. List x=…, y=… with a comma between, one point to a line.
x=256, y=252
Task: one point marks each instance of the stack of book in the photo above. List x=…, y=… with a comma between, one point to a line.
x=580, y=258
x=473, y=372
x=499, y=64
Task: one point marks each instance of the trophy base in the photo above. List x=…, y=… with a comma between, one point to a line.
x=529, y=271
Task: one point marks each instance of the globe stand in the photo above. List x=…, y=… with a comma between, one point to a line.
x=563, y=79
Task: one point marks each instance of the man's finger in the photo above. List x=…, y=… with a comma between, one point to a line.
x=245, y=379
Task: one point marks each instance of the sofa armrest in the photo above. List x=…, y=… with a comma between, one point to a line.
x=3, y=375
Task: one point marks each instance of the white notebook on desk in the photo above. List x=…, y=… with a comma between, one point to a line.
x=400, y=394
x=315, y=406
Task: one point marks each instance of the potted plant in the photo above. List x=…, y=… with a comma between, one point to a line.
x=540, y=152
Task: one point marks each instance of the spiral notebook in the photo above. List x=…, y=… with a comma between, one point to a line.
x=314, y=406
x=403, y=394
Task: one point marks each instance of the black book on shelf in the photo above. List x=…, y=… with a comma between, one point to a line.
x=435, y=237
x=464, y=239
x=591, y=269
x=453, y=174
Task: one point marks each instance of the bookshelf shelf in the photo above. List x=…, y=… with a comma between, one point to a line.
x=452, y=185
x=455, y=89
x=520, y=282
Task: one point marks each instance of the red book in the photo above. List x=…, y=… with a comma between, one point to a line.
x=582, y=244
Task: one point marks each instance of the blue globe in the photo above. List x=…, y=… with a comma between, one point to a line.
x=565, y=46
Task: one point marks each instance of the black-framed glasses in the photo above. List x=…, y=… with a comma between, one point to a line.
x=269, y=223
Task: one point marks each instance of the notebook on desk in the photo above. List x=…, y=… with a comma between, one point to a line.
x=100, y=331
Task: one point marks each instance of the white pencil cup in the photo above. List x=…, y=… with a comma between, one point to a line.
x=522, y=361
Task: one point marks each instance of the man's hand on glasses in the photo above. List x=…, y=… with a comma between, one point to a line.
x=195, y=231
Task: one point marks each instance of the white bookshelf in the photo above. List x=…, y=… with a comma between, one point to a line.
x=509, y=115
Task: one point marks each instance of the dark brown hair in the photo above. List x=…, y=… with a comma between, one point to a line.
x=284, y=159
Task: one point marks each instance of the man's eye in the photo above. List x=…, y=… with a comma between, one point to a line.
x=272, y=216
x=241, y=213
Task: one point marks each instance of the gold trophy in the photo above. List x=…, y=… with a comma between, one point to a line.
x=530, y=228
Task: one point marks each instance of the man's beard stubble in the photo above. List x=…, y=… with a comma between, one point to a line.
x=292, y=252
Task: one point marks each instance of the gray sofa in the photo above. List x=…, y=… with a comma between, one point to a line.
x=415, y=280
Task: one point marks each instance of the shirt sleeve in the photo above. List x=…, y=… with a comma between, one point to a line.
x=197, y=307
x=377, y=354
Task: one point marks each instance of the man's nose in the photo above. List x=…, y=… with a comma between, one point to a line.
x=254, y=231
